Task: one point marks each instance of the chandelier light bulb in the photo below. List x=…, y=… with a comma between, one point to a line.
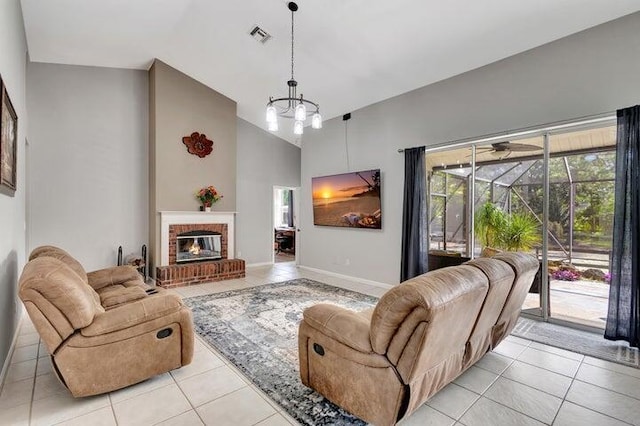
x=316, y=121
x=273, y=126
x=301, y=112
x=272, y=115
x=298, y=128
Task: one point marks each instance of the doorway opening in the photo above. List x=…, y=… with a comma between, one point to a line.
x=285, y=218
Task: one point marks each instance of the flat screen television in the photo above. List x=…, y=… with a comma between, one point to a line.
x=348, y=200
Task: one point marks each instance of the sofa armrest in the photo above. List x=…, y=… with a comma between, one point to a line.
x=343, y=325
x=114, y=275
x=130, y=314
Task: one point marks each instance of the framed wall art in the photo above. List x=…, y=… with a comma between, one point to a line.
x=348, y=200
x=8, y=142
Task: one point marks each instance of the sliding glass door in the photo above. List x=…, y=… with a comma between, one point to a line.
x=549, y=194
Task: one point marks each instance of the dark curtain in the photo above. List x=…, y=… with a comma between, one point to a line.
x=414, y=215
x=290, y=218
x=624, y=291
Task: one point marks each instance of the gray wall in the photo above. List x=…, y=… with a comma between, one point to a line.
x=180, y=106
x=588, y=73
x=264, y=161
x=88, y=171
x=13, y=58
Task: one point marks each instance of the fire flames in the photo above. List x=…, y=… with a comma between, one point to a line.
x=195, y=248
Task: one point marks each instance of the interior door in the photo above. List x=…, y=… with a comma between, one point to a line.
x=296, y=221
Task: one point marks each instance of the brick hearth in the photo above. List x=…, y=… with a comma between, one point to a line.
x=180, y=275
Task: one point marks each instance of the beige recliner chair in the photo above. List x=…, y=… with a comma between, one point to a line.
x=107, y=339
x=383, y=364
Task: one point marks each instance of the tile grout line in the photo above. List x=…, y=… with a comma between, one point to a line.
x=482, y=395
x=278, y=408
x=564, y=398
x=193, y=407
x=113, y=411
x=575, y=379
x=33, y=388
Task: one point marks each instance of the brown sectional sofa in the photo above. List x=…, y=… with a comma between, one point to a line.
x=384, y=363
x=106, y=329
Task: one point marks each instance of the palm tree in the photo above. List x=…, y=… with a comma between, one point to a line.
x=496, y=229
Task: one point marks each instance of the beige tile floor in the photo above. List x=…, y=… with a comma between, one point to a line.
x=519, y=383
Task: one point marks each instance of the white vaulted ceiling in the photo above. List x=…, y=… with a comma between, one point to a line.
x=349, y=53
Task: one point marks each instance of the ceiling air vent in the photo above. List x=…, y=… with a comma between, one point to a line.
x=259, y=34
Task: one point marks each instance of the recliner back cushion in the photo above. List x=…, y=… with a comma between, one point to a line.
x=60, y=254
x=525, y=267
x=501, y=277
x=51, y=286
x=422, y=321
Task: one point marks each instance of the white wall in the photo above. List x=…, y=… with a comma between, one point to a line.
x=263, y=161
x=88, y=166
x=13, y=58
x=588, y=73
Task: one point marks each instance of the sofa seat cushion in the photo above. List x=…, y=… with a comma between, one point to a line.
x=133, y=313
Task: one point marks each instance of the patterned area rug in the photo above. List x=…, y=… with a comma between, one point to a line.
x=257, y=330
x=583, y=342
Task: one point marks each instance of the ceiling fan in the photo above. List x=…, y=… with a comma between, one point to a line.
x=504, y=149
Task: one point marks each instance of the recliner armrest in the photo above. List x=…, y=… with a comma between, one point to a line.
x=114, y=275
x=343, y=325
x=130, y=314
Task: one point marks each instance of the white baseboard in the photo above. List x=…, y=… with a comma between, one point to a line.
x=7, y=361
x=255, y=265
x=347, y=277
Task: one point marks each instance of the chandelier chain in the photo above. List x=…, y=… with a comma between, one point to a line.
x=292, y=13
x=293, y=106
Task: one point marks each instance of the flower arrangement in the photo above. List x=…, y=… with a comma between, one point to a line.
x=208, y=195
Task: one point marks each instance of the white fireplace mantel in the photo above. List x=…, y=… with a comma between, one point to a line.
x=185, y=217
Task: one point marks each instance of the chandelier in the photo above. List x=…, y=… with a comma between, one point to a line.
x=293, y=106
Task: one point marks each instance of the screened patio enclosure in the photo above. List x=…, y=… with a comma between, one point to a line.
x=579, y=190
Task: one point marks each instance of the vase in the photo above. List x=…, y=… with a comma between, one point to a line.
x=207, y=208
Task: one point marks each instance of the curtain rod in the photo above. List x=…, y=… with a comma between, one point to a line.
x=527, y=131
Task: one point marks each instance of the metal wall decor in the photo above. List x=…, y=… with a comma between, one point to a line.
x=198, y=144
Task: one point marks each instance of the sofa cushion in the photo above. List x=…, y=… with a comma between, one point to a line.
x=58, y=253
x=48, y=281
x=525, y=267
x=125, y=275
x=137, y=312
x=119, y=294
x=343, y=325
x=426, y=292
x=501, y=278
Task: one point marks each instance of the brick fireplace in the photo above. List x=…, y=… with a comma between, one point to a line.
x=169, y=273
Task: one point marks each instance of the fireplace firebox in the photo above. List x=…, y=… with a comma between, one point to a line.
x=194, y=246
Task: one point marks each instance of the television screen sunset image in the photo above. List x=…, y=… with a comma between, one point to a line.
x=348, y=200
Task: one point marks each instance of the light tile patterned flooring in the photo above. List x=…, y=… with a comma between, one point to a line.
x=519, y=383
